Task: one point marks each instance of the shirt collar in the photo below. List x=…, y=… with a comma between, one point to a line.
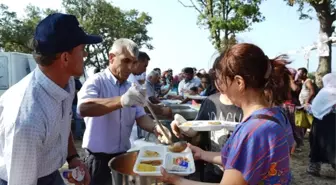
x=51, y=87
x=112, y=78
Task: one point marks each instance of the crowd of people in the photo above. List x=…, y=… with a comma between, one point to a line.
x=312, y=108
x=270, y=101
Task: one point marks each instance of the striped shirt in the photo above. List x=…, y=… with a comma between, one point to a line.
x=260, y=149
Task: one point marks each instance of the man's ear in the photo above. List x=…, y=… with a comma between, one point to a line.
x=65, y=58
x=111, y=57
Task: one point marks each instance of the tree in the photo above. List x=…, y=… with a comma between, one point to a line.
x=10, y=38
x=95, y=16
x=311, y=76
x=226, y=44
x=15, y=33
x=102, y=18
x=226, y=18
x=325, y=12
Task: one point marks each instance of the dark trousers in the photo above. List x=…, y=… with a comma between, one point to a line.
x=97, y=164
x=52, y=179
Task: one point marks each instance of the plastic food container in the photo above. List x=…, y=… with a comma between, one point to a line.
x=152, y=158
x=207, y=125
x=75, y=174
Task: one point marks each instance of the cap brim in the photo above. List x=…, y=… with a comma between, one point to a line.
x=92, y=39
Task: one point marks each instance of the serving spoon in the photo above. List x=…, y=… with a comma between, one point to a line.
x=176, y=147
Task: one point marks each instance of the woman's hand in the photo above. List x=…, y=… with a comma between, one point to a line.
x=178, y=119
x=176, y=130
x=169, y=178
x=197, y=152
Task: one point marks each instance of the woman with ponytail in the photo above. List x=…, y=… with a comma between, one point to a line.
x=258, y=151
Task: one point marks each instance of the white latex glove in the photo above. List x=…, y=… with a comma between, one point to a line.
x=135, y=95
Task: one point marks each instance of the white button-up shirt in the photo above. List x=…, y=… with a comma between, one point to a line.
x=133, y=79
x=109, y=133
x=35, y=122
x=185, y=86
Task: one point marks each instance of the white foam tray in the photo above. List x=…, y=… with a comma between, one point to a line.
x=163, y=152
x=203, y=125
x=196, y=97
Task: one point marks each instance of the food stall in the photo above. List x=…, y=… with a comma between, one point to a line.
x=132, y=168
x=122, y=167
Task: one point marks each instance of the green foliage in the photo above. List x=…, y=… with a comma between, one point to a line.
x=324, y=11
x=307, y=8
x=226, y=44
x=95, y=16
x=102, y=18
x=16, y=33
x=226, y=18
x=10, y=39
x=311, y=76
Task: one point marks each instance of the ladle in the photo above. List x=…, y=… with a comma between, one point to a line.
x=177, y=147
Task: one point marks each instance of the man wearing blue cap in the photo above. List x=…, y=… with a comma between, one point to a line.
x=35, y=113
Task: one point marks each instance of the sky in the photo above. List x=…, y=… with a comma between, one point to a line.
x=179, y=42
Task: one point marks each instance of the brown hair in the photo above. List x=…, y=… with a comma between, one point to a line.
x=43, y=59
x=270, y=76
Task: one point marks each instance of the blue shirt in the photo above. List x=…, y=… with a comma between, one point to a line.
x=260, y=149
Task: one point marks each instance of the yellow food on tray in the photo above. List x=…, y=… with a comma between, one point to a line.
x=149, y=153
x=187, y=124
x=214, y=123
x=145, y=168
x=153, y=162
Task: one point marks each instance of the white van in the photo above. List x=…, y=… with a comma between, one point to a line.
x=15, y=66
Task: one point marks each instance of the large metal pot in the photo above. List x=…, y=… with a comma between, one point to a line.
x=184, y=110
x=122, y=171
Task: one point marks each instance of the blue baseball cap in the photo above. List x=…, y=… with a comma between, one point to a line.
x=61, y=32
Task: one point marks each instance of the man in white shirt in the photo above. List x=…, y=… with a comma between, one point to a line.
x=152, y=78
x=110, y=105
x=139, y=68
x=141, y=78
x=35, y=113
x=188, y=82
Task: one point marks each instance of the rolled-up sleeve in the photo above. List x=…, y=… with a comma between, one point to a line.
x=22, y=148
x=140, y=111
